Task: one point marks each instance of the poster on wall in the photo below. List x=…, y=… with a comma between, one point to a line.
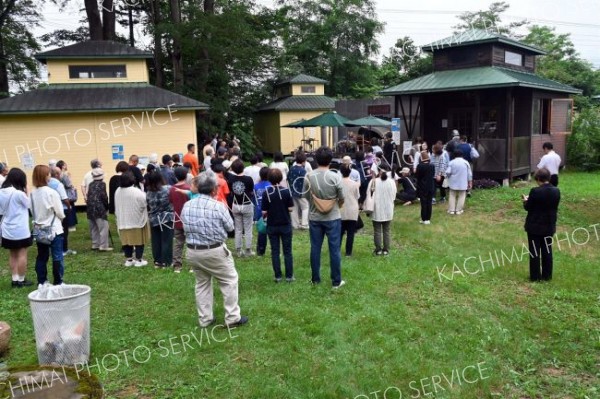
x=27, y=161
x=117, y=152
x=396, y=129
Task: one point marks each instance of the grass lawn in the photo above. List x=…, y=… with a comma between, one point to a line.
x=402, y=323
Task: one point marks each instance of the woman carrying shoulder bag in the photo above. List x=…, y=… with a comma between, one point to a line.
x=48, y=213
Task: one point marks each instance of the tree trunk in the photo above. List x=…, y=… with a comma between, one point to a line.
x=209, y=9
x=176, y=52
x=130, y=18
x=5, y=9
x=159, y=73
x=3, y=70
x=108, y=20
x=93, y=15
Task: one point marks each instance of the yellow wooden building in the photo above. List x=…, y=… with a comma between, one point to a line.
x=98, y=104
x=300, y=97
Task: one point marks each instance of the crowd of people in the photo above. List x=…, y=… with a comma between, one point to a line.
x=199, y=204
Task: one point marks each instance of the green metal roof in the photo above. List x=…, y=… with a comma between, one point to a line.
x=93, y=49
x=299, y=103
x=476, y=78
x=301, y=78
x=477, y=36
x=95, y=97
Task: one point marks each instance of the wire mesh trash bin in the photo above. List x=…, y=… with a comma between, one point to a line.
x=61, y=321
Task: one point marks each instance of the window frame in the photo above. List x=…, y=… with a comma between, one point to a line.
x=512, y=53
x=76, y=71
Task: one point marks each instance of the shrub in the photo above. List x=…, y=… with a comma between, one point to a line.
x=583, y=146
x=485, y=183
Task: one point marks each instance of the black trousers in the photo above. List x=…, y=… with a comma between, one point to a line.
x=426, y=199
x=540, y=255
x=554, y=180
x=65, y=225
x=348, y=226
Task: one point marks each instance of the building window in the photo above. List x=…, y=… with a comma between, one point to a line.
x=513, y=58
x=97, y=71
x=488, y=124
x=541, y=115
x=309, y=89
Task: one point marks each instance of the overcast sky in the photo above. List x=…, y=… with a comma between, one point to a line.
x=429, y=20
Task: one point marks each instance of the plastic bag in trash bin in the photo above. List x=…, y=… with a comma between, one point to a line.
x=49, y=291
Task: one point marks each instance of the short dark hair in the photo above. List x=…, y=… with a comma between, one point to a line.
x=237, y=166
x=180, y=173
x=190, y=146
x=166, y=159
x=154, y=181
x=95, y=163
x=150, y=168
x=324, y=155
x=187, y=165
x=300, y=157
x=263, y=173
x=260, y=156
x=60, y=164
x=542, y=175
x=278, y=156
x=176, y=158
x=15, y=178
x=122, y=167
x=275, y=176
x=359, y=157
x=548, y=145
x=254, y=160
x=458, y=154
x=438, y=149
x=218, y=168
x=127, y=179
x=345, y=170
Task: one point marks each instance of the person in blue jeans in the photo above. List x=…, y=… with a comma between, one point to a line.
x=48, y=211
x=277, y=204
x=325, y=193
x=259, y=190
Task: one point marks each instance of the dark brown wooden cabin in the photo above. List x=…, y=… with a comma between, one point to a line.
x=485, y=86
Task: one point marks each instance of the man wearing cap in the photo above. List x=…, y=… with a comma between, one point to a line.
x=354, y=175
x=206, y=222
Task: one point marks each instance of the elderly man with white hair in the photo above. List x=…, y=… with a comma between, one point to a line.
x=206, y=222
x=354, y=175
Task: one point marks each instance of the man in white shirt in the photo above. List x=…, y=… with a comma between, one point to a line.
x=551, y=161
x=253, y=170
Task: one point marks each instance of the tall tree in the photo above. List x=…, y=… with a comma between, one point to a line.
x=332, y=39
x=175, y=14
x=100, y=28
x=17, y=44
x=563, y=63
x=489, y=20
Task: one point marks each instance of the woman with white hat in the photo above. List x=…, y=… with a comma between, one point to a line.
x=97, y=211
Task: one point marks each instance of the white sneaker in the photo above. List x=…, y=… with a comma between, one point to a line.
x=338, y=286
x=460, y=212
x=427, y=222
x=129, y=262
x=420, y=221
x=140, y=263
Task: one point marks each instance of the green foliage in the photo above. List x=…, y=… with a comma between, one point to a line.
x=583, y=147
x=404, y=62
x=331, y=39
x=19, y=44
x=489, y=20
x=562, y=62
